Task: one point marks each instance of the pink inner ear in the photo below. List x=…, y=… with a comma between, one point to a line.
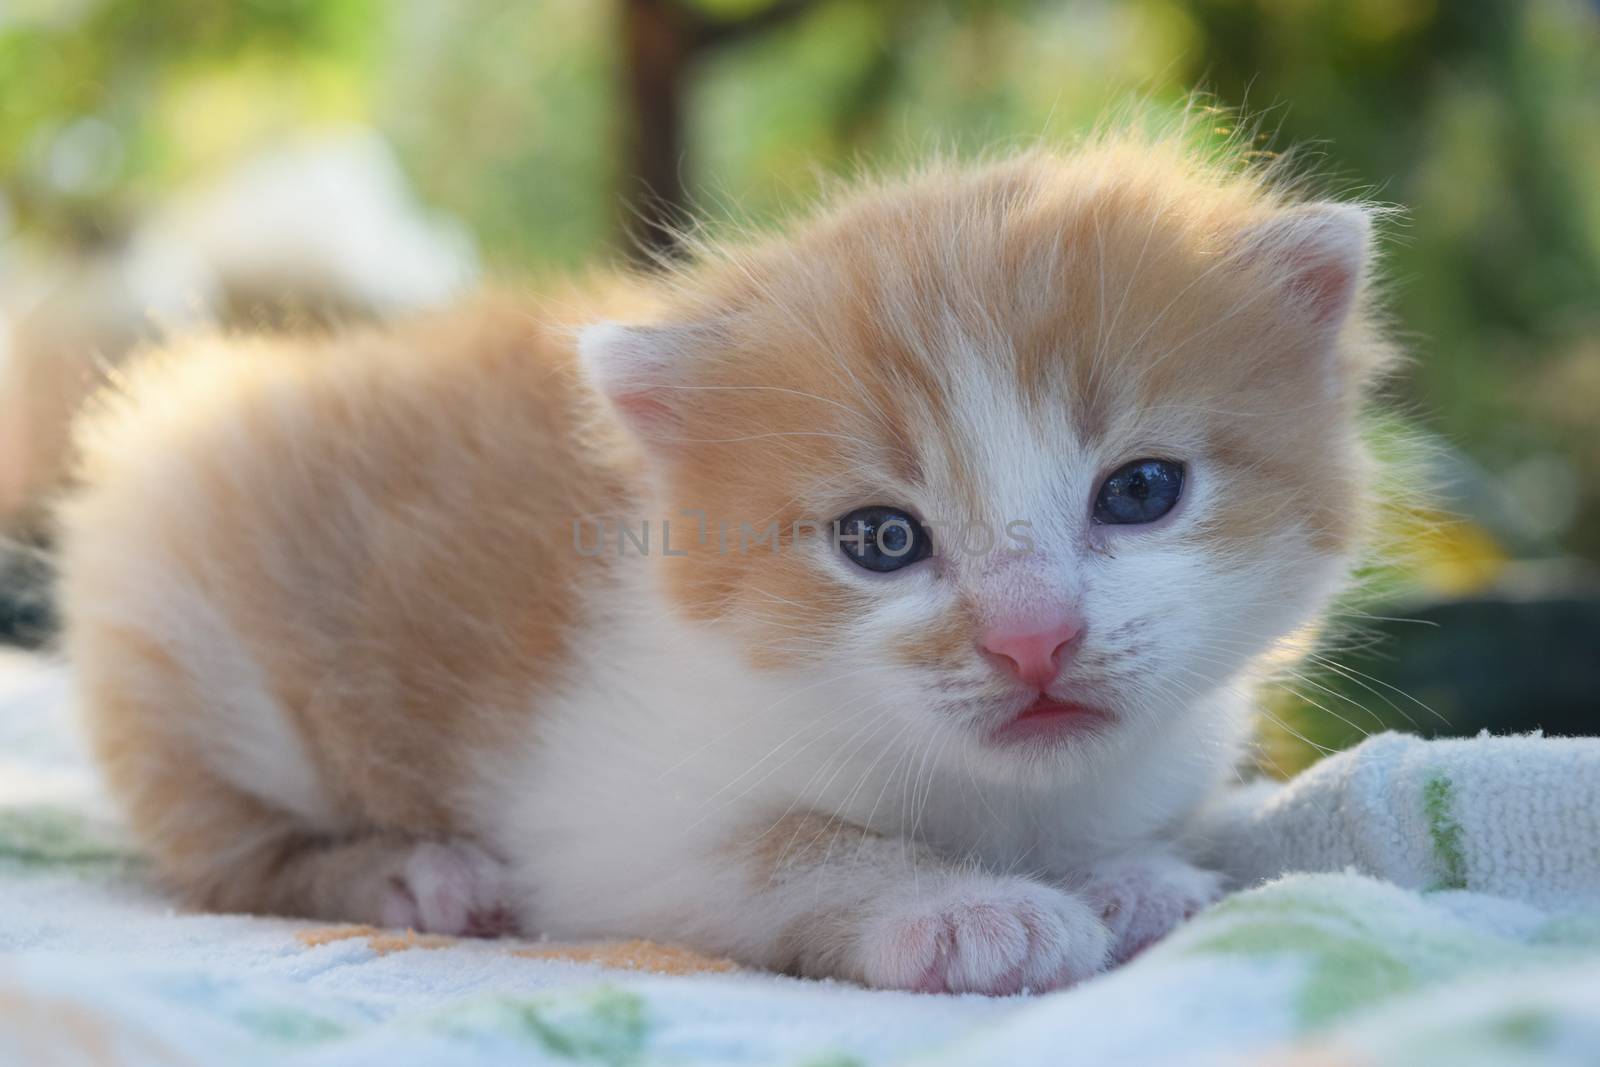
x=646, y=412
x=1326, y=289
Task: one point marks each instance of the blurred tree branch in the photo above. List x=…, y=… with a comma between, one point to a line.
x=662, y=41
x=712, y=33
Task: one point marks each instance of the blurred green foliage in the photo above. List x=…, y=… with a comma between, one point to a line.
x=92, y=93
x=1480, y=118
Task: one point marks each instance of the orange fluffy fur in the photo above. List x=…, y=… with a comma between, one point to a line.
x=334, y=642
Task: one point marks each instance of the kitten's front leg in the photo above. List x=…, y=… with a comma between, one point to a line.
x=1143, y=895
x=850, y=904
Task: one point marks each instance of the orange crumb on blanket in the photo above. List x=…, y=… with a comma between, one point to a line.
x=635, y=955
x=382, y=942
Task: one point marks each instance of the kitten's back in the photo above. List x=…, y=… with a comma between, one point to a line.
x=314, y=578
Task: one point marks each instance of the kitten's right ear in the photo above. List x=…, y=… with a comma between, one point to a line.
x=640, y=369
x=1319, y=254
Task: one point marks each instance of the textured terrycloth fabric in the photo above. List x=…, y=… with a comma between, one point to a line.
x=1517, y=817
x=1482, y=946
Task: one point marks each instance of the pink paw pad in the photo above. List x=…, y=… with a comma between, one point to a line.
x=450, y=888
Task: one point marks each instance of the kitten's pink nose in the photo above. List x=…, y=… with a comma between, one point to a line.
x=1031, y=651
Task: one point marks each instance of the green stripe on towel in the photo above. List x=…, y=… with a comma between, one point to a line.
x=1438, y=799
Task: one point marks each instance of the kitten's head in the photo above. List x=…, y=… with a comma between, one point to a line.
x=1088, y=422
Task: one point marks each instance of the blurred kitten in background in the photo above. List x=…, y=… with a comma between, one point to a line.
x=319, y=232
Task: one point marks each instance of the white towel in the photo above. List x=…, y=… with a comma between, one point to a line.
x=1517, y=817
x=1479, y=945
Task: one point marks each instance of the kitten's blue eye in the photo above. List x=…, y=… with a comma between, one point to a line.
x=1141, y=491
x=882, y=538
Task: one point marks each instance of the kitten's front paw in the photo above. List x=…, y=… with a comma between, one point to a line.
x=981, y=935
x=1143, y=897
x=451, y=887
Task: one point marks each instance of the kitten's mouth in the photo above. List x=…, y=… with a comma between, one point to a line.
x=1050, y=721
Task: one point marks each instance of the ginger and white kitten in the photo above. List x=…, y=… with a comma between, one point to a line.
x=359, y=635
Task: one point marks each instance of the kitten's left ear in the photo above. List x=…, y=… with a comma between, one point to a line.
x=1318, y=255
x=641, y=370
